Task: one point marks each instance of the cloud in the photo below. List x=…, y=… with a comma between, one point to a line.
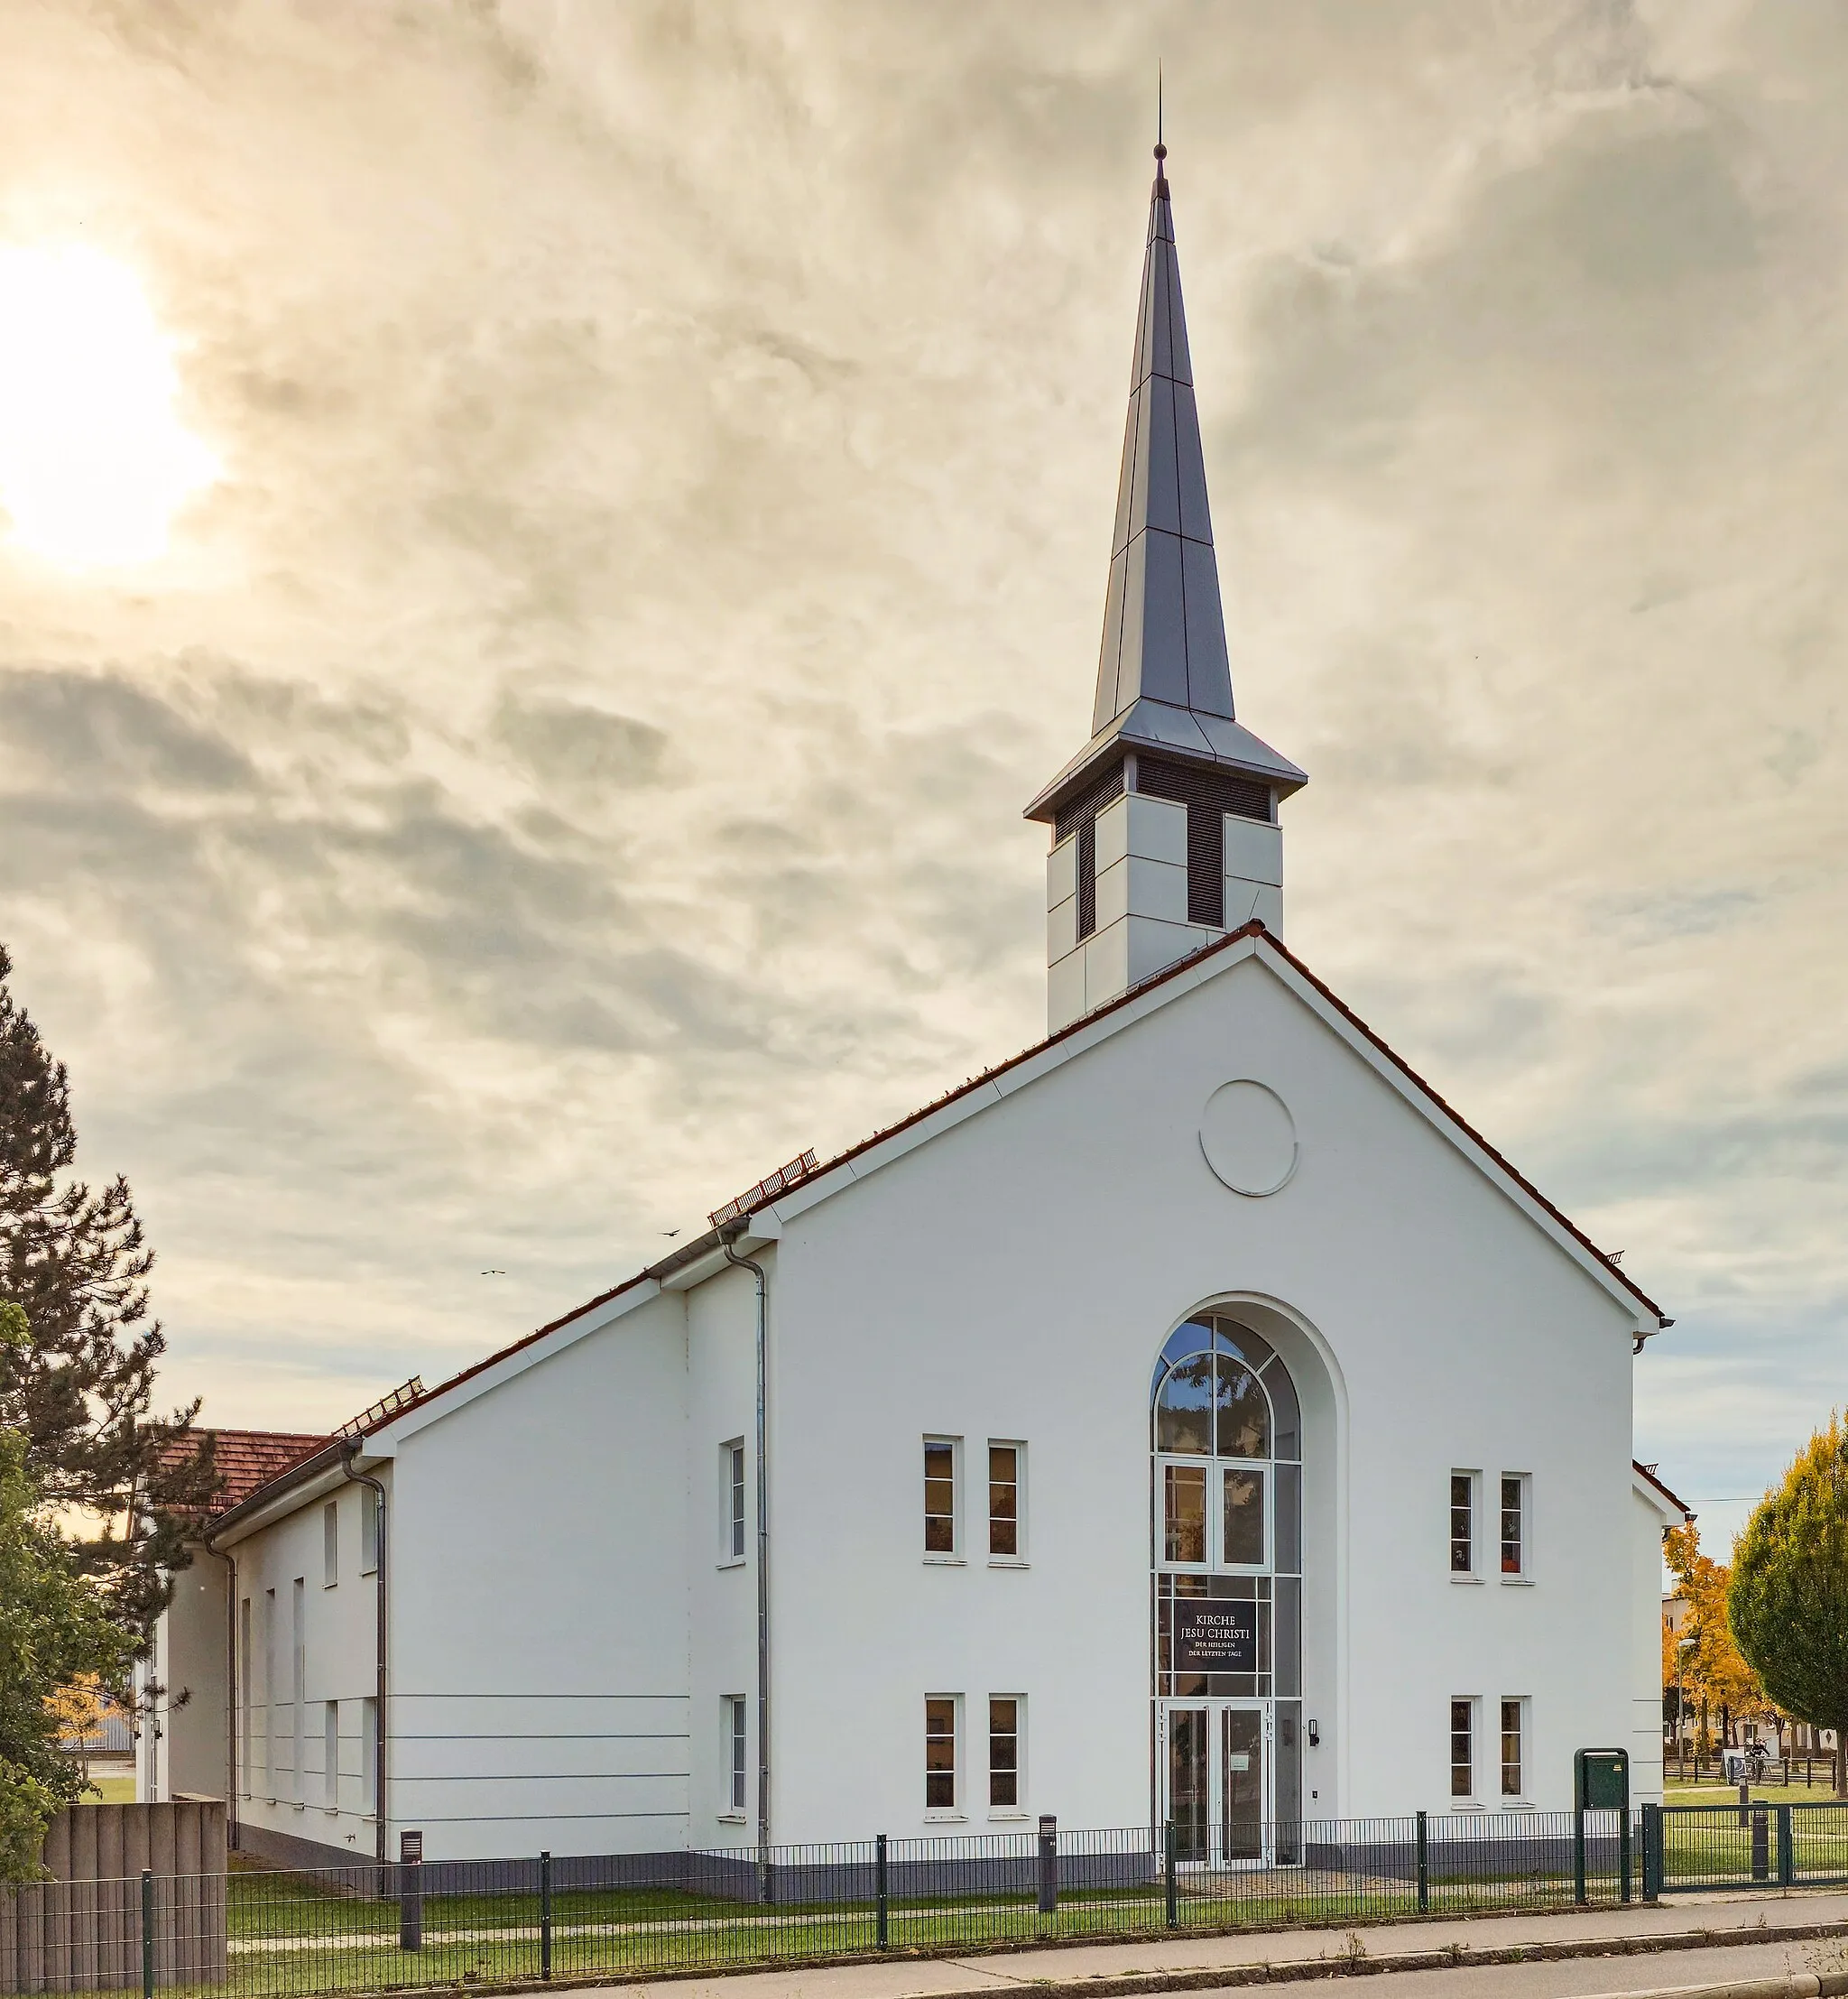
x=573, y=759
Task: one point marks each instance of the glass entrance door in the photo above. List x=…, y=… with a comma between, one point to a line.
x=1215, y=1766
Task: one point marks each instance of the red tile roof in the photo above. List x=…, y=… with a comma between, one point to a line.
x=1648, y=1472
x=246, y=1459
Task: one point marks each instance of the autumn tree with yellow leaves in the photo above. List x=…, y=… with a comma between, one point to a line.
x=1716, y=1679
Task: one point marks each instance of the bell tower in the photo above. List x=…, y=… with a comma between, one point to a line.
x=1164, y=825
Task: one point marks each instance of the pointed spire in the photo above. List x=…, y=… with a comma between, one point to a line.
x=1164, y=633
x=1164, y=681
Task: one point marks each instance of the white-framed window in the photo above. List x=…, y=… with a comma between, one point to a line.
x=942, y=1489
x=1007, y=1491
x=734, y=1751
x=331, y=1543
x=1007, y=1755
x=298, y=1687
x=1462, y=1746
x=1213, y=1516
x=731, y=1501
x=244, y=1680
x=1514, y=1525
x=1463, y=1522
x=1514, y=1746
x=942, y=1765
x=369, y=1756
x=330, y=1753
x=369, y=1503
x=271, y=1684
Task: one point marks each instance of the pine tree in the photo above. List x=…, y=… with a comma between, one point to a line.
x=79, y=1388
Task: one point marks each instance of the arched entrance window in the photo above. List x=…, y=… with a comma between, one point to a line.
x=1226, y=1563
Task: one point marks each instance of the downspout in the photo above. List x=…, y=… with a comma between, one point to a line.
x=756, y=1269
x=230, y=1562
x=349, y=1450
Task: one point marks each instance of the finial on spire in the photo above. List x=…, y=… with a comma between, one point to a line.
x=1161, y=145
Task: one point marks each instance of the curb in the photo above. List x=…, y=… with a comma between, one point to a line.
x=1459, y=1957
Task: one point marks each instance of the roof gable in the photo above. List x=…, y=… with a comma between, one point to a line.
x=969, y=1099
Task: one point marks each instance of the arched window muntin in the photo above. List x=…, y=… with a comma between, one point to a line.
x=1226, y=1439
x=1221, y=1391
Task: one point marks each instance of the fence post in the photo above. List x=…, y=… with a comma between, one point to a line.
x=1623, y=1857
x=1760, y=1842
x=1787, y=1848
x=147, y=1933
x=1424, y=1856
x=1048, y=1863
x=1167, y=1880
x=1578, y=1893
x=881, y=1890
x=545, y=1915
x=1652, y=1853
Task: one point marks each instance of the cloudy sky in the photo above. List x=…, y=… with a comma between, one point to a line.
x=548, y=545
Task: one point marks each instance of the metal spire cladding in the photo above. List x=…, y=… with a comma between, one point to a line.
x=1163, y=678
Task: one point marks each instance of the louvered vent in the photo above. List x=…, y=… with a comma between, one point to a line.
x=1087, y=803
x=1209, y=796
x=1087, y=877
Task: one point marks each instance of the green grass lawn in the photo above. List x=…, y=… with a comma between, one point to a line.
x=109, y=1790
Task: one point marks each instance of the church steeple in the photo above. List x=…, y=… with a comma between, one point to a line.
x=1182, y=797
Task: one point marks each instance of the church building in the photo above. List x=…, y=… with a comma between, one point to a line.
x=1191, y=1418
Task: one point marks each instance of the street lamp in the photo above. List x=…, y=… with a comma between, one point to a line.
x=1682, y=1648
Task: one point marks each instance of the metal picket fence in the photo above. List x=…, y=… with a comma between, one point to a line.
x=271, y=1934
x=1750, y=1843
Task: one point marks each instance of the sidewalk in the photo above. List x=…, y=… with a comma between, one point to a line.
x=1682, y=1925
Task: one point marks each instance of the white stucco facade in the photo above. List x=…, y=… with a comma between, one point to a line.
x=1191, y=1421
x=565, y=1619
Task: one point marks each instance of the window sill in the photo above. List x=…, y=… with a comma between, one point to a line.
x=944, y=1818
x=1008, y=1818
x=731, y=1561
x=732, y=1818
x=1009, y=1561
x=1467, y=1804
x=946, y=1561
x=1474, y=1582
x=1517, y=1582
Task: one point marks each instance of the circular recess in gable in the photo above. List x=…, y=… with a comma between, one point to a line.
x=1249, y=1137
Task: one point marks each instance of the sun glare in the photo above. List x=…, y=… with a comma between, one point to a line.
x=93, y=461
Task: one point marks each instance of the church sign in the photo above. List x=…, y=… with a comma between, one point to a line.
x=1214, y=1636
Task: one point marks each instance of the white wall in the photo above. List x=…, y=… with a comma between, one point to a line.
x=1015, y=1277
x=331, y=1809
x=539, y=1638
x=1645, y=1744
x=185, y=1750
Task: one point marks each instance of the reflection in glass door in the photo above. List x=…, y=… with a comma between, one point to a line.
x=1242, y=1761
x=1189, y=1783
x=1216, y=1763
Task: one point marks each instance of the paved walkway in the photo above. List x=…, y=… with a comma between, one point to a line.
x=1193, y=1959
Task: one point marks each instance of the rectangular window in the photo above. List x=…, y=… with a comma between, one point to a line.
x=330, y=1751
x=732, y=1472
x=1006, y=1714
x=245, y=1679
x=369, y=1503
x=1241, y=1545
x=271, y=1703
x=1462, y=1748
x=1513, y=1523
x=369, y=1757
x=1463, y=1522
x=939, y=1495
x=1184, y=1513
x=297, y=1688
x=939, y=1752
x=733, y=1723
x=1004, y=1465
x=331, y=1543
x=1511, y=1733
